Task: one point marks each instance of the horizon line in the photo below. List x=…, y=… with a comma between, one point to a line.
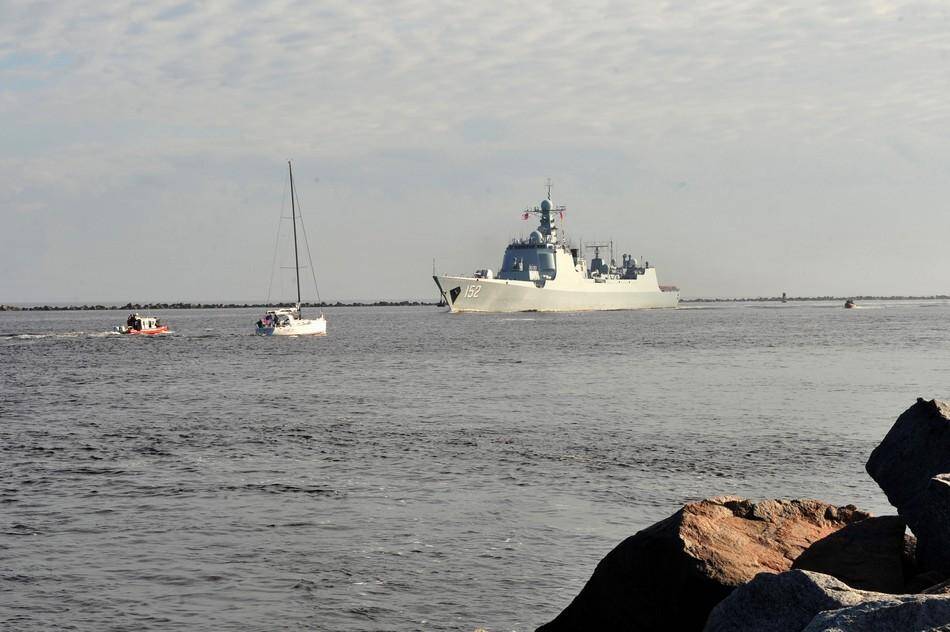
x=109, y=305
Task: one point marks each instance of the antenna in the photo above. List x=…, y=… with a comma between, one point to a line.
x=293, y=212
x=549, y=185
x=597, y=245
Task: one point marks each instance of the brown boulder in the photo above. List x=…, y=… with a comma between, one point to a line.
x=670, y=575
x=868, y=555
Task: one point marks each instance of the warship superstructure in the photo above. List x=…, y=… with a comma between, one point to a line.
x=545, y=274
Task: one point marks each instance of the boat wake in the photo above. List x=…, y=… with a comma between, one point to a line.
x=57, y=334
x=22, y=336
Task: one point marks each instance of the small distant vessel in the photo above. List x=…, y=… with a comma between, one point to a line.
x=849, y=304
x=141, y=325
x=288, y=321
x=543, y=273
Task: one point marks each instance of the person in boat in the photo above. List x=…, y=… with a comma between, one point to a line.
x=130, y=322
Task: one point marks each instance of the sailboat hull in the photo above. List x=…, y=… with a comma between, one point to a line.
x=311, y=327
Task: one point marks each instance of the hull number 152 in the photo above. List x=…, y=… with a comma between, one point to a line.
x=472, y=291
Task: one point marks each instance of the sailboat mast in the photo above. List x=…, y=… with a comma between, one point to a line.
x=293, y=212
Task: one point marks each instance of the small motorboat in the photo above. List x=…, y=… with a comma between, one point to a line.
x=849, y=304
x=142, y=325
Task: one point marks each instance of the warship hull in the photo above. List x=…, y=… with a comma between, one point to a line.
x=474, y=294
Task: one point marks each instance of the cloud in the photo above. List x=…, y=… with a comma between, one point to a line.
x=96, y=98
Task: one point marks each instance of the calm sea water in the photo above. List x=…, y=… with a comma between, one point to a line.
x=414, y=470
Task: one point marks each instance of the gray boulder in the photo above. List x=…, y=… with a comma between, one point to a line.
x=923, y=582
x=908, y=613
x=915, y=449
x=943, y=588
x=905, y=464
x=933, y=526
x=867, y=555
x=918, y=581
x=785, y=602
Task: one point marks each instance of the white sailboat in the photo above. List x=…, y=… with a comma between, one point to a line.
x=288, y=321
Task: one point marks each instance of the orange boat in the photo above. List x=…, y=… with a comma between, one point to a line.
x=142, y=325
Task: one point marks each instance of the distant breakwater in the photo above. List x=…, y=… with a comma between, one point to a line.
x=154, y=306
x=151, y=306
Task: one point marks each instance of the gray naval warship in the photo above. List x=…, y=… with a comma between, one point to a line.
x=545, y=274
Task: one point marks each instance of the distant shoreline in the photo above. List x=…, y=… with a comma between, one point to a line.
x=157, y=306
x=779, y=299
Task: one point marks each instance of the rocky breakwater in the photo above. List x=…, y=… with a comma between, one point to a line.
x=732, y=564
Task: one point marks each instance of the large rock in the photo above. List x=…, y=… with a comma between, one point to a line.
x=670, y=575
x=803, y=600
x=923, y=582
x=914, y=451
x=868, y=555
x=932, y=525
x=918, y=581
x=908, y=613
x=943, y=588
x=786, y=602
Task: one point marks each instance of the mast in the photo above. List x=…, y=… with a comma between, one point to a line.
x=293, y=213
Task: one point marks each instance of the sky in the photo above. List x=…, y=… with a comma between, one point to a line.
x=744, y=148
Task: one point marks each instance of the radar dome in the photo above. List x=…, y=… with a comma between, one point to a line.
x=546, y=205
x=535, y=237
